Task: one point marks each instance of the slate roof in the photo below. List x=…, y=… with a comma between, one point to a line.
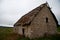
x=27, y=18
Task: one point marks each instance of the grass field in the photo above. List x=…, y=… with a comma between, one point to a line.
x=6, y=33
x=58, y=29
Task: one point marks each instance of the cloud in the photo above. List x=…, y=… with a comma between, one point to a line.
x=12, y=10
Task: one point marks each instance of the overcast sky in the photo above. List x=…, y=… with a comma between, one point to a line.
x=12, y=10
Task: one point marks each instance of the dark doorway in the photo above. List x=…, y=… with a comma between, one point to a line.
x=23, y=31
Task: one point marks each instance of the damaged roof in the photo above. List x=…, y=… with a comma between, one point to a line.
x=27, y=18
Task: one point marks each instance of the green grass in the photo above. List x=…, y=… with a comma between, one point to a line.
x=52, y=37
x=7, y=34
x=4, y=32
x=58, y=29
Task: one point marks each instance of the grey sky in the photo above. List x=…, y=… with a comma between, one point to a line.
x=12, y=10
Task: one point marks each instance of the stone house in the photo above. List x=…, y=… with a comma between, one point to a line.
x=37, y=23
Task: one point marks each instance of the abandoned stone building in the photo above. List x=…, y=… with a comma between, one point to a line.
x=37, y=22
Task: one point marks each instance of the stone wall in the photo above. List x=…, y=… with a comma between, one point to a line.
x=39, y=26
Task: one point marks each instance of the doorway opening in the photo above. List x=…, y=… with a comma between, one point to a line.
x=23, y=32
